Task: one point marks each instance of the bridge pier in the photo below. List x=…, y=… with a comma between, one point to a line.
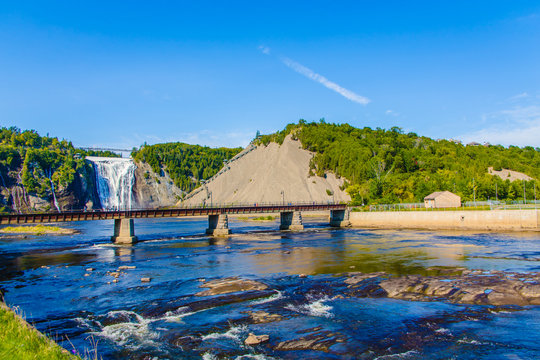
x=339, y=218
x=291, y=220
x=124, y=232
x=218, y=225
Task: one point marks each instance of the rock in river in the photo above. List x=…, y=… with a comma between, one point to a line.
x=253, y=339
x=261, y=317
x=474, y=287
x=230, y=285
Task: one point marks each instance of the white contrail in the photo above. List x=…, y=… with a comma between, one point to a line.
x=301, y=69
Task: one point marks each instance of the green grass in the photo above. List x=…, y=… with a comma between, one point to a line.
x=20, y=341
x=36, y=230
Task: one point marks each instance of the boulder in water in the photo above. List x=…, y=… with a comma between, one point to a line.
x=261, y=317
x=253, y=339
x=230, y=285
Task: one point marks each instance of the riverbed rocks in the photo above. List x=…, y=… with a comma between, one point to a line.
x=126, y=267
x=469, y=287
x=230, y=285
x=262, y=317
x=253, y=339
x=319, y=340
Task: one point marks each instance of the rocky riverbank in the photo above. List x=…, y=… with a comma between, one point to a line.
x=464, y=287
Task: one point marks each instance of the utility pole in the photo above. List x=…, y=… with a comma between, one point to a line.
x=524, y=195
x=283, y=196
x=474, y=192
x=496, y=195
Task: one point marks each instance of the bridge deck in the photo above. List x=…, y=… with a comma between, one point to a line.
x=143, y=214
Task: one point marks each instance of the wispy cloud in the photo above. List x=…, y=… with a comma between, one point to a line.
x=517, y=126
x=310, y=74
x=519, y=97
x=391, y=113
x=264, y=49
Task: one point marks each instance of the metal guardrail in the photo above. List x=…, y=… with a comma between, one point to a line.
x=468, y=205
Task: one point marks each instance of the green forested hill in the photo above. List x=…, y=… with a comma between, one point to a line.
x=186, y=164
x=388, y=166
x=38, y=162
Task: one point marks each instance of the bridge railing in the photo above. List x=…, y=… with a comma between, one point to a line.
x=248, y=204
x=197, y=206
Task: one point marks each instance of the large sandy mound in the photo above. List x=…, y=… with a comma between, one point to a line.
x=262, y=173
x=509, y=174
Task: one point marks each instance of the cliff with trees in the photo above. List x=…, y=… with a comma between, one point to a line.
x=40, y=173
x=186, y=164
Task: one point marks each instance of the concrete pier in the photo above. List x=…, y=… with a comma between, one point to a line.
x=291, y=220
x=218, y=225
x=339, y=218
x=124, y=232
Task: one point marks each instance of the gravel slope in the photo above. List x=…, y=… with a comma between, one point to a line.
x=262, y=174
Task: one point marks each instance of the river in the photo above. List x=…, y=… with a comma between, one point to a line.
x=48, y=279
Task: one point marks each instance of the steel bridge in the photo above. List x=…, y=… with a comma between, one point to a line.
x=291, y=218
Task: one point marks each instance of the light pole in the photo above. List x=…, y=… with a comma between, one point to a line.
x=283, y=197
x=211, y=202
x=524, y=195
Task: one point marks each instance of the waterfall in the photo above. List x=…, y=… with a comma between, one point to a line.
x=114, y=181
x=48, y=173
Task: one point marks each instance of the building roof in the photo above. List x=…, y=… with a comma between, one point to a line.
x=437, y=194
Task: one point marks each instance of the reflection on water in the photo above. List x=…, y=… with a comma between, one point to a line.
x=48, y=278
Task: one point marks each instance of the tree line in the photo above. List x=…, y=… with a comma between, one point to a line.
x=186, y=164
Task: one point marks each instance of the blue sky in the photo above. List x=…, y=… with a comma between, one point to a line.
x=214, y=73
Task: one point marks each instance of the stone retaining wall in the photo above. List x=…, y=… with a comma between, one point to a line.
x=465, y=220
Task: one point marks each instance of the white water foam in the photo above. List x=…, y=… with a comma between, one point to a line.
x=123, y=333
x=254, y=357
x=314, y=308
x=233, y=333
x=470, y=341
x=403, y=355
x=443, y=331
x=136, y=331
x=209, y=356
x=177, y=315
x=274, y=297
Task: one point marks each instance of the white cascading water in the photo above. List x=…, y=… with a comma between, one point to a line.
x=114, y=181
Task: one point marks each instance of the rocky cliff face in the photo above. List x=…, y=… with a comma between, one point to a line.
x=153, y=190
x=150, y=190
x=80, y=193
